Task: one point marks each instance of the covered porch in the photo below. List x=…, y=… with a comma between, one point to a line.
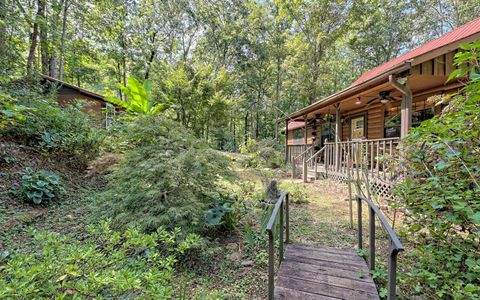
x=360, y=127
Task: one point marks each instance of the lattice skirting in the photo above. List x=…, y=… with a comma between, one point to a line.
x=378, y=187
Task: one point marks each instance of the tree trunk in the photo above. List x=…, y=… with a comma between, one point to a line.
x=33, y=42
x=3, y=33
x=55, y=38
x=153, y=53
x=234, y=137
x=277, y=97
x=62, y=42
x=246, y=127
x=43, y=35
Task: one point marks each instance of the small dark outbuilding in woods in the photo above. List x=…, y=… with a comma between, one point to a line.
x=68, y=94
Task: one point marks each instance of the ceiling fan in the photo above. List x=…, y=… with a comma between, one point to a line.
x=384, y=97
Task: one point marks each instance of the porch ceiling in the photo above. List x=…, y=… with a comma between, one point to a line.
x=358, y=101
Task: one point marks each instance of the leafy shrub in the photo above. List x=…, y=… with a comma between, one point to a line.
x=110, y=265
x=297, y=192
x=441, y=194
x=10, y=111
x=225, y=211
x=138, y=98
x=165, y=178
x=41, y=186
x=262, y=154
x=50, y=128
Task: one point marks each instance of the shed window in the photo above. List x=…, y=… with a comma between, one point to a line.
x=298, y=136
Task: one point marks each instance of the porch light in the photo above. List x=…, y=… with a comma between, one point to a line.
x=358, y=102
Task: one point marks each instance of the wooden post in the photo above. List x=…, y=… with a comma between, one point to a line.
x=349, y=177
x=305, y=130
x=305, y=170
x=286, y=141
x=406, y=114
x=338, y=136
x=371, y=239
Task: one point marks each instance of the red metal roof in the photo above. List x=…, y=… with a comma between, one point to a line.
x=446, y=39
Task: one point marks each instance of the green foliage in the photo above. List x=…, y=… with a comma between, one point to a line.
x=225, y=211
x=41, y=186
x=109, y=265
x=165, y=179
x=297, y=191
x=4, y=156
x=262, y=154
x=138, y=98
x=10, y=112
x=441, y=195
x=49, y=127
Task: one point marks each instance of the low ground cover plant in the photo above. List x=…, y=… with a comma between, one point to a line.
x=41, y=186
x=109, y=265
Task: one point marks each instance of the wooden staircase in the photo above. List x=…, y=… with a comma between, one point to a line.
x=320, y=273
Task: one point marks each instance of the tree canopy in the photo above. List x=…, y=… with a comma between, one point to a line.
x=225, y=69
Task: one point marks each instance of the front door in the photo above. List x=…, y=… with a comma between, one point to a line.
x=357, y=128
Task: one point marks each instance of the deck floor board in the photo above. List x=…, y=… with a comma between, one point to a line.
x=323, y=273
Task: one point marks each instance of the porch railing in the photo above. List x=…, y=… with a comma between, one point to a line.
x=279, y=210
x=300, y=159
x=395, y=244
x=369, y=155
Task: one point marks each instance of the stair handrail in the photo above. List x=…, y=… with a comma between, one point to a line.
x=301, y=154
x=280, y=209
x=395, y=243
x=316, y=154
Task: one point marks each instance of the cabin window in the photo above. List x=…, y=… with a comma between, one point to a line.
x=422, y=115
x=298, y=136
x=357, y=128
x=392, y=123
x=393, y=119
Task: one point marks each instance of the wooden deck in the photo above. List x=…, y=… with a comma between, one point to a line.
x=323, y=273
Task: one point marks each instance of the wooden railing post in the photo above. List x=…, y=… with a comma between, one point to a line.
x=371, y=239
x=280, y=235
x=395, y=244
x=293, y=169
x=305, y=169
x=287, y=219
x=359, y=216
x=280, y=205
x=392, y=274
x=271, y=265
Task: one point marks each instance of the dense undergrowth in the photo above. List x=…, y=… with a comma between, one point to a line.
x=63, y=175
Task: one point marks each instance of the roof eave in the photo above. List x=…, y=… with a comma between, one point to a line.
x=349, y=91
x=83, y=91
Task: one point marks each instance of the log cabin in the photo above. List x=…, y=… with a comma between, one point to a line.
x=374, y=112
x=92, y=103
